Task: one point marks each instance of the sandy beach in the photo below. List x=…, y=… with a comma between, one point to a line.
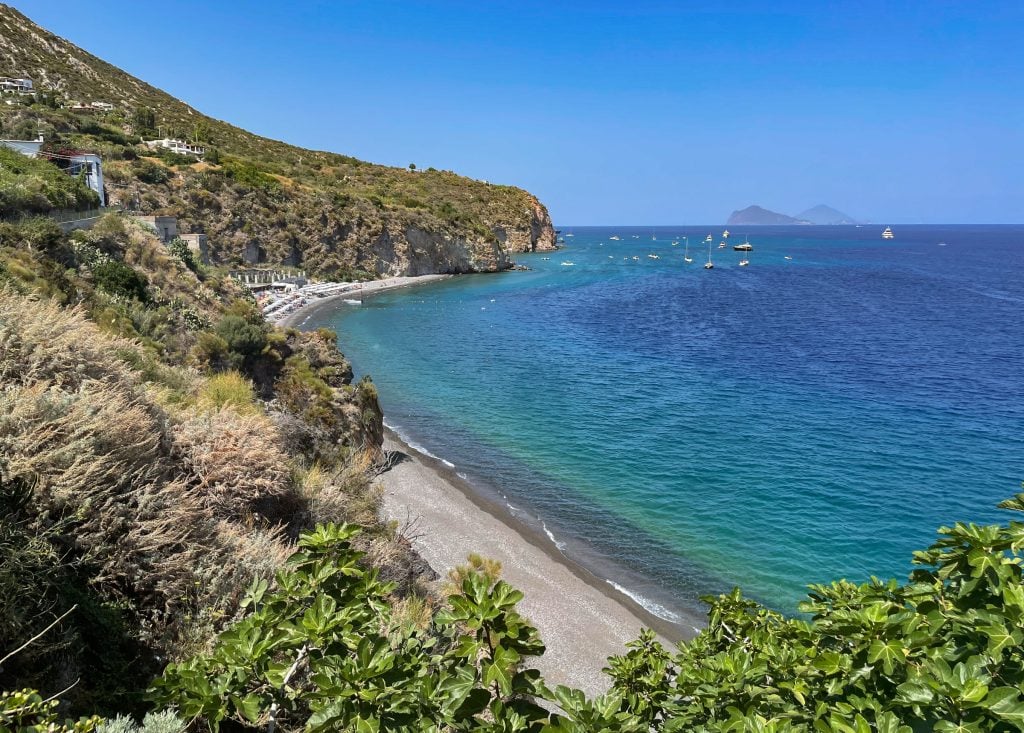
x=581, y=623
x=295, y=318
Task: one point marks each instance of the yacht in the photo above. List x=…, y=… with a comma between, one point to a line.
x=615, y=237
x=743, y=246
x=709, y=265
x=887, y=234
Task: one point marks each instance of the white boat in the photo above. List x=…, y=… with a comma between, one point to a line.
x=709, y=239
x=887, y=234
x=570, y=234
x=615, y=237
x=686, y=252
x=725, y=234
x=654, y=257
x=709, y=265
x=721, y=245
x=568, y=264
x=745, y=246
x=788, y=257
x=635, y=257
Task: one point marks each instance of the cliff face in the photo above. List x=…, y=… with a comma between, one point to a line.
x=331, y=214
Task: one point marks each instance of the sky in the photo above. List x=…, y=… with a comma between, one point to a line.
x=615, y=112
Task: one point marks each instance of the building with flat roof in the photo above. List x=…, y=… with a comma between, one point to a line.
x=178, y=146
x=25, y=147
x=166, y=227
x=15, y=84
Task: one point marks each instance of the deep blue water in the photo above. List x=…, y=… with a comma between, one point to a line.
x=681, y=431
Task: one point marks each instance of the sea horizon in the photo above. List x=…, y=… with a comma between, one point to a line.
x=698, y=505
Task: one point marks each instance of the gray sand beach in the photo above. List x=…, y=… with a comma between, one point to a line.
x=581, y=624
x=297, y=317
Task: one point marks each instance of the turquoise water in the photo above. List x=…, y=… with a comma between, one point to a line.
x=681, y=431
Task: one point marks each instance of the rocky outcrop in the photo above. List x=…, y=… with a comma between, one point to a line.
x=264, y=200
x=537, y=236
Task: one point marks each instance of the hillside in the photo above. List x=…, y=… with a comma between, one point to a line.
x=822, y=214
x=759, y=216
x=330, y=213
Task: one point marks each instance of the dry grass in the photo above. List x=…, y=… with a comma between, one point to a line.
x=234, y=463
x=77, y=419
x=227, y=390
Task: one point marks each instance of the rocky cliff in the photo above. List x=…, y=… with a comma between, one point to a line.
x=258, y=198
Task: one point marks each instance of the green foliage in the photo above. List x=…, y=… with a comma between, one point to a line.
x=117, y=278
x=313, y=652
x=149, y=172
x=249, y=175
x=241, y=336
x=942, y=652
x=180, y=249
x=25, y=711
x=228, y=389
x=35, y=186
x=143, y=121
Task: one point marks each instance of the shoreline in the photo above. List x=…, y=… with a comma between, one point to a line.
x=297, y=317
x=581, y=617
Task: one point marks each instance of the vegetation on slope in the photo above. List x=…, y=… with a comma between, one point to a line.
x=322, y=651
x=160, y=447
x=332, y=213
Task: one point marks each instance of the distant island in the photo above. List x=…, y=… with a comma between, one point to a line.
x=820, y=214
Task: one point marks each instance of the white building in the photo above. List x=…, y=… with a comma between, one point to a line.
x=15, y=84
x=178, y=146
x=25, y=147
x=91, y=107
x=90, y=166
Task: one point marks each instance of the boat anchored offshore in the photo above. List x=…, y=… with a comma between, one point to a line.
x=709, y=265
x=887, y=234
x=745, y=246
x=686, y=252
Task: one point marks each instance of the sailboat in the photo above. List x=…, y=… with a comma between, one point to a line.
x=887, y=234
x=745, y=261
x=686, y=252
x=709, y=265
x=725, y=234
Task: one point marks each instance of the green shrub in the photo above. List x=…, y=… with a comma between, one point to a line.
x=117, y=278
x=180, y=249
x=228, y=389
x=149, y=172
x=241, y=336
x=249, y=175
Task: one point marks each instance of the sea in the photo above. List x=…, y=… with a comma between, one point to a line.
x=679, y=431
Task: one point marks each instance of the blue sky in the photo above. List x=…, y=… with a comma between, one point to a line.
x=615, y=113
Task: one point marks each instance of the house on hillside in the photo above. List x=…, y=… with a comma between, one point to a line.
x=178, y=146
x=25, y=147
x=81, y=163
x=91, y=107
x=15, y=85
